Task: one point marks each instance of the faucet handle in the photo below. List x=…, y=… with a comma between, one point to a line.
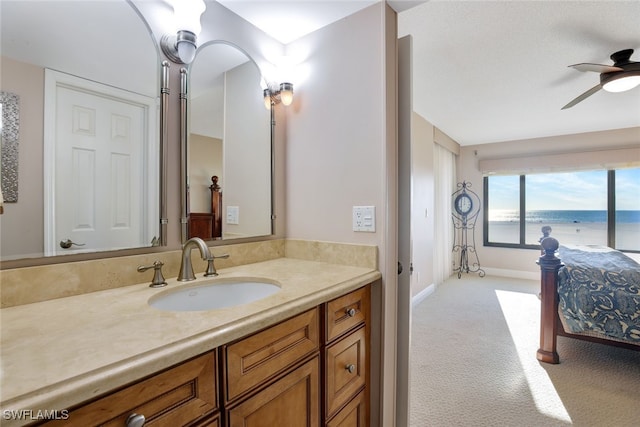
x=211, y=269
x=158, y=279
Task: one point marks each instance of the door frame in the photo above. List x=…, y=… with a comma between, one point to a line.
x=405, y=247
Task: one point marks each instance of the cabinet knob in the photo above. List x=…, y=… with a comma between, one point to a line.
x=135, y=420
x=351, y=312
x=351, y=368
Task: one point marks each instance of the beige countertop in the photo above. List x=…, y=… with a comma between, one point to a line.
x=65, y=351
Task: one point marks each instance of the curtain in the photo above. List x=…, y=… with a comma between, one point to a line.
x=444, y=168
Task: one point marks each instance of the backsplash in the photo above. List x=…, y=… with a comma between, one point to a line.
x=334, y=253
x=27, y=285
x=40, y=283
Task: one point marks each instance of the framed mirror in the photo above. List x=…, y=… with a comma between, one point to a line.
x=97, y=91
x=227, y=151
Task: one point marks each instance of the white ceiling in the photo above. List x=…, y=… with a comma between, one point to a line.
x=288, y=20
x=489, y=71
x=495, y=71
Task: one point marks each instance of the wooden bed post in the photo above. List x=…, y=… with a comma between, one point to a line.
x=549, y=266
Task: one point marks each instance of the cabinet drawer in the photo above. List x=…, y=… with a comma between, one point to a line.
x=346, y=370
x=255, y=359
x=346, y=312
x=355, y=414
x=209, y=422
x=293, y=400
x=178, y=396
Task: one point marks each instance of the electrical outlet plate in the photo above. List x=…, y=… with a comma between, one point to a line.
x=364, y=218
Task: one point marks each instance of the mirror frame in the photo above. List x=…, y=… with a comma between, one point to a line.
x=184, y=155
x=163, y=144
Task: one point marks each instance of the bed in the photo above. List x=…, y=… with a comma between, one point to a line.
x=590, y=293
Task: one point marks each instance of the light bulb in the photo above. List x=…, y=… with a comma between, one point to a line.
x=622, y=84
x=286, y=93
x=186, y=46
x=266, y=93
x=186, y=51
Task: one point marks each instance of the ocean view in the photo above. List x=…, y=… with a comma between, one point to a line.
x=563, y=216
x=580, y=227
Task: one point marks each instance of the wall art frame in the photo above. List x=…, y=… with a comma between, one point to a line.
x=10, y=145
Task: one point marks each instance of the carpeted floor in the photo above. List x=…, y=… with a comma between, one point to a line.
x=473, y=363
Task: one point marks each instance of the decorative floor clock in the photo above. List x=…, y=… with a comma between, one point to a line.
x=466, y=207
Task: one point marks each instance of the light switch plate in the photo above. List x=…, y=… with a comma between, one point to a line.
x=233, y=215
x=364, y=218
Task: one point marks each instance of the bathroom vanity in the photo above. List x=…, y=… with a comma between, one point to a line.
x=298, y=357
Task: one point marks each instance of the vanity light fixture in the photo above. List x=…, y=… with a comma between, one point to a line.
x=181, y=47
x=284, y=94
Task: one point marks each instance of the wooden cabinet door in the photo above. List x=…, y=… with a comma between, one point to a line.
x=291, y=401
x=355, y=414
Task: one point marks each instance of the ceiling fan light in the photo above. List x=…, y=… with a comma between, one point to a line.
x=622, y=83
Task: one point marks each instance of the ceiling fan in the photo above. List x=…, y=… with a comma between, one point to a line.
x=623, y=75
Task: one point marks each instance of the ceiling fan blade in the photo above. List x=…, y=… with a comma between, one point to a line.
x=597, y=68
x=583, y=96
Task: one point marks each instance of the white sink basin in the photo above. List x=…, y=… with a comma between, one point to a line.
x=213, y=295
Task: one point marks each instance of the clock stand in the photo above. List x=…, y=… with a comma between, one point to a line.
x=466, y=207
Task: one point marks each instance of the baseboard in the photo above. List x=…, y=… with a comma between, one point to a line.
x=423, y=294
x=516, y=274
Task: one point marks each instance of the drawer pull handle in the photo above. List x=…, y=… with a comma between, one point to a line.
x=351, y=312
x=135, y=420
x=351, y=368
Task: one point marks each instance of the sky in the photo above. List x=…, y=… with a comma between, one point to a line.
x=566, y=191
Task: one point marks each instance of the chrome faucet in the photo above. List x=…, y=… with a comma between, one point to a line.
x=186, y=268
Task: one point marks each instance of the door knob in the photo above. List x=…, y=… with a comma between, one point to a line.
x=66, y=244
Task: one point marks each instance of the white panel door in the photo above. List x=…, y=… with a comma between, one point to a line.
x=98, y=170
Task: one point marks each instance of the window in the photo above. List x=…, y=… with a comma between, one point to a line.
x=504, y=209
x=627, y=209
x=588, y=207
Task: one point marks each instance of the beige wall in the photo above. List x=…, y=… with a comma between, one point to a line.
x=335, y=132
x=205, y=160
x=340, y=148
x=591, y=147
x=247, y=155
x=22, y=223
